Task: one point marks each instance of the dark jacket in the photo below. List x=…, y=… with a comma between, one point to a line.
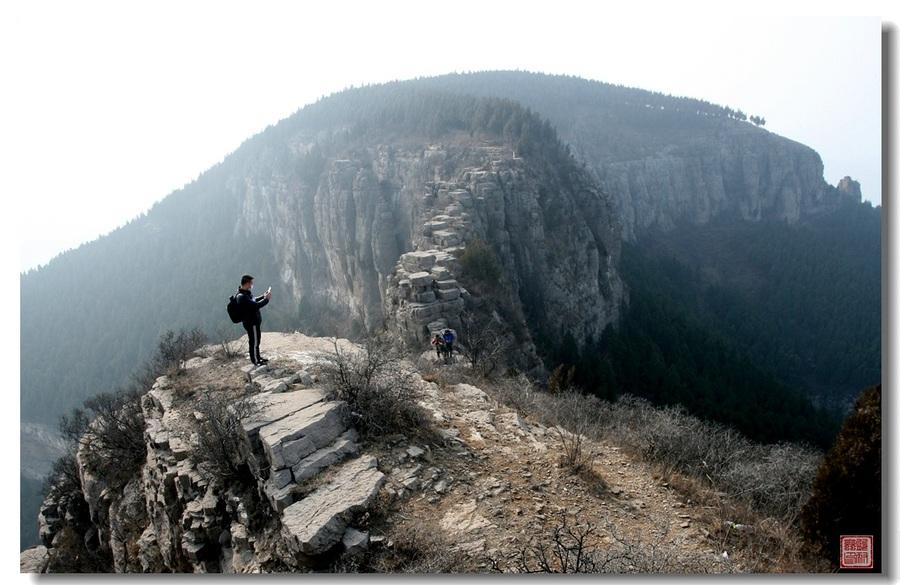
x=250, y=306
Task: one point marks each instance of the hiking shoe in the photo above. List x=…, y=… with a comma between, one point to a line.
x=262, y=360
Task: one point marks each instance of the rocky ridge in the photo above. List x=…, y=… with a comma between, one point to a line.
x=365, y=242
x=486, y=480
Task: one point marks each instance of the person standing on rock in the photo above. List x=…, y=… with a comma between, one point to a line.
x=251, y=317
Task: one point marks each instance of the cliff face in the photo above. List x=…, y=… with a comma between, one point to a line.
x=342, y=237
x=747, y=174
x=666, y=159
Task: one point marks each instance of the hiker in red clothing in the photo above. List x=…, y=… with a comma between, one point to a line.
x=438, y=342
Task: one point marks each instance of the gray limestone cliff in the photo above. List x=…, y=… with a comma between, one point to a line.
x=375, y=233
x=745, y=173
x=306, y=479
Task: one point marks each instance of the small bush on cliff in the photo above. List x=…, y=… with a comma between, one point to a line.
x=846, y=497
x=219, y=452
x=561, y=379
x=109, y=432
x=63, y=477
x=481, y=342
x=172, y=349
x=480, y=264
x=381, y=396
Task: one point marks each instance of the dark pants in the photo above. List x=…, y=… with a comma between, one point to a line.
x=253, y=335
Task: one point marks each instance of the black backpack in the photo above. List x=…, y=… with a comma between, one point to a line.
x=234, y=310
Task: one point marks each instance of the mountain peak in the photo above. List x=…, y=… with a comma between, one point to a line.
x=850, y=188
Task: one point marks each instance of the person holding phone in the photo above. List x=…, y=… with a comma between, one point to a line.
x=251, y=317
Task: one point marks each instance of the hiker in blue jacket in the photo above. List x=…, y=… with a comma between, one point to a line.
x=249, y=307
x=449, y=338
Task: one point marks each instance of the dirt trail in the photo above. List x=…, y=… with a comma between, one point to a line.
x=495, y=481
x=506, y=485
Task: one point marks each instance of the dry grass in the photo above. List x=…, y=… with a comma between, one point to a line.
x=416, y=546
x=735, y=480
x=431, y=377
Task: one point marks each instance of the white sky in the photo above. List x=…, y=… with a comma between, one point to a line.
x=108, y=107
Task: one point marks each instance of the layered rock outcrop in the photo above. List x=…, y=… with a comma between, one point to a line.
x=375, y=237
x=176, y=516
x=482, y=481
x=744, y=173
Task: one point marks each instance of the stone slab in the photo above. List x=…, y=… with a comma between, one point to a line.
x=318, y=522
x=275, y=406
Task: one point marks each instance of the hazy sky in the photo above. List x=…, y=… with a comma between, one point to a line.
x=108, y=107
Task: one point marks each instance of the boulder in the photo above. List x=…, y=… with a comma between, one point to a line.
x=425, y=297
x=451, y=307
x=318, y=522
x=276, y=406
x=290, y=439
x=420, y=279
x=423, y=312
x=35, y=559
x=440, y=273
x=445, y=238
x=355, y=541
x=417, y=261
x=448, y=294
x=280, y=498
x=276, y=386
x=435, y=224
x=281, y=478
x=303, y=377
x=469, y=393
x=343, y=447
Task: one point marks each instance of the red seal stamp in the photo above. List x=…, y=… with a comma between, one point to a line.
x=856, y=552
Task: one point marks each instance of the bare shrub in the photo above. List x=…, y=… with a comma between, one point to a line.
x=219, y=453
x=569, y=549
x=762, y=487
x=230, y=348
x=574, y=548
x=516, y=392
x=572, y=423
x=481, y=342
x=172, y=350
x=775, y=479
x=109, y=431
x=63, y=476
x=381, y=395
